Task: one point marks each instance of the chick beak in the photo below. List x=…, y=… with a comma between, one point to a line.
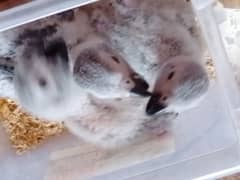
x=140, y=87
x=154, y=106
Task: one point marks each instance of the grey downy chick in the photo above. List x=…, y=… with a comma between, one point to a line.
x=42, y=76
x=98, y=68
x=181, y=84
x=103, y=72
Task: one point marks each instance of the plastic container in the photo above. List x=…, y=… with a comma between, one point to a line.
x=207, y=141
x=34, y=10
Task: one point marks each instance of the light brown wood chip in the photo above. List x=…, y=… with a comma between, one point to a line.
x=25, y=131
x=210, y=68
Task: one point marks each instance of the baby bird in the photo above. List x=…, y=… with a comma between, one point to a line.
x=103, y=72
x=181, y=84
x=97, y=67
x=42, y=76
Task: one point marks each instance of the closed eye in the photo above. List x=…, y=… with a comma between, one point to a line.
x=42, y=82
x=128, y=82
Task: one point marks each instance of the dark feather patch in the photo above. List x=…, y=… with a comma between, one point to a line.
x=36, y=34
x=56, y=48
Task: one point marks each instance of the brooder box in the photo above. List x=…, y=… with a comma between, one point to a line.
x=206, y=140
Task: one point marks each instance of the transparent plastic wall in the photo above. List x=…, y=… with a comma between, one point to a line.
x=206, y=138
x=210, y=15
x=34, y=10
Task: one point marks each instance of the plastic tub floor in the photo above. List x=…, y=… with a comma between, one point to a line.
x=198, y=132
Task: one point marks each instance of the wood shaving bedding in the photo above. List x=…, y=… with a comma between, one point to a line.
x=210, y=68
x=25, y=132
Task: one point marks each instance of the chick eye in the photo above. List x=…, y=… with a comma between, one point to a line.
x=128, y=82
x=115, y=59
x=170, y=76
x=164, y=98
x=42, y=82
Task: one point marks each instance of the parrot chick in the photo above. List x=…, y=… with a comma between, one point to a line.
x=181, y=84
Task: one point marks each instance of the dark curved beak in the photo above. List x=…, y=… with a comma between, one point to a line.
x=141, y=87
x=154, y=106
